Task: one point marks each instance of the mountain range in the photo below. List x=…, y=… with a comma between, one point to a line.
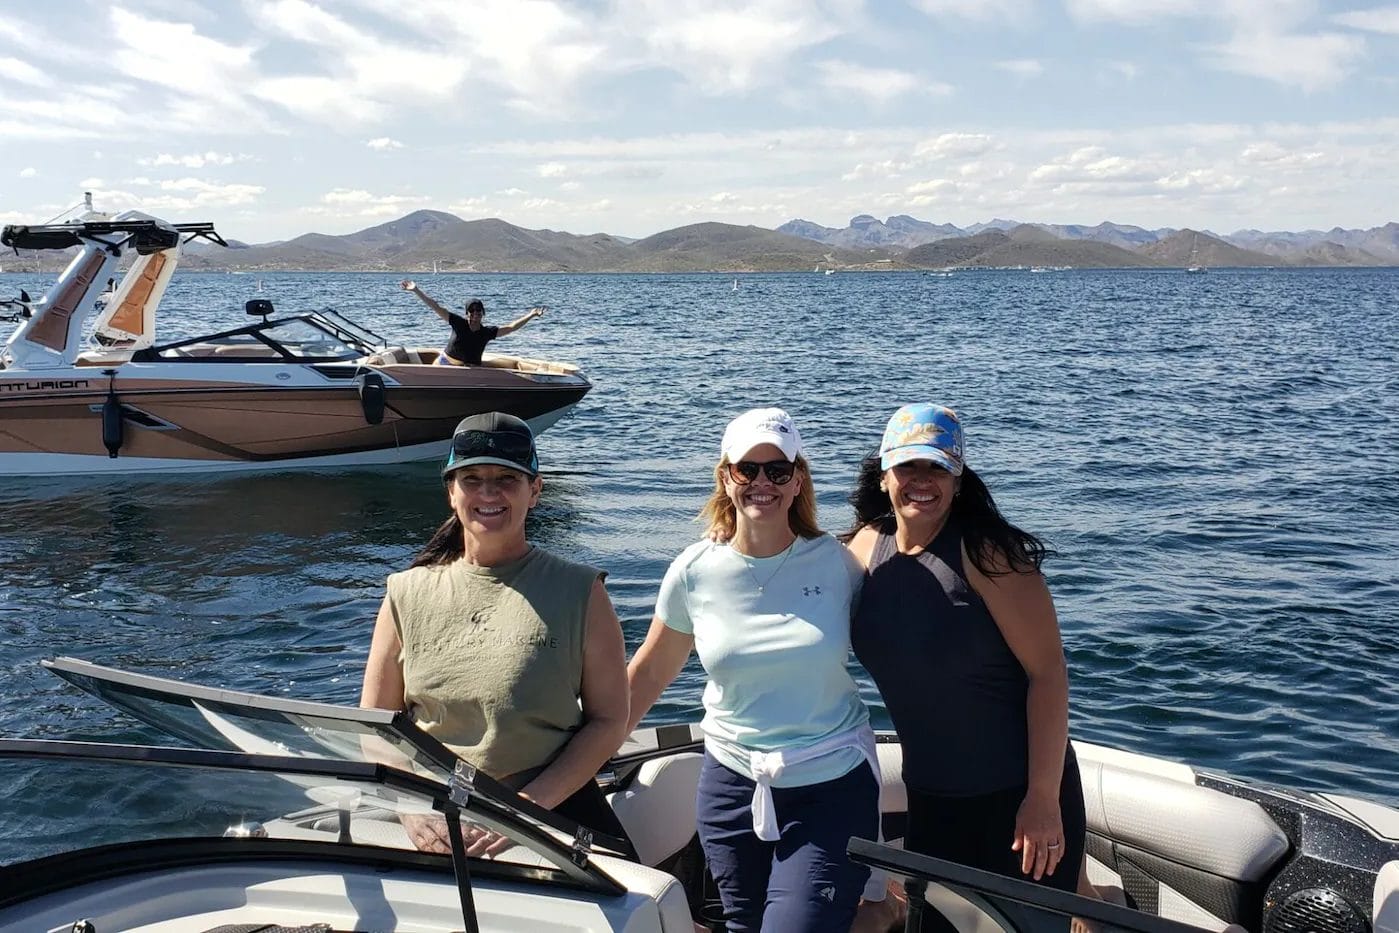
x=425, y=240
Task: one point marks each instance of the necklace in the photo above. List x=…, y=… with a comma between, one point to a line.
x=760, y=584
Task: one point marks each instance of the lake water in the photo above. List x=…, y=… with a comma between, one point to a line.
x=1212, y=456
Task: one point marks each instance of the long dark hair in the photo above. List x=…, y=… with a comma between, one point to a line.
x=447, y=544
x=985, y=531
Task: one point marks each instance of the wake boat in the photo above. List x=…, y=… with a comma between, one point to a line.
x=304, y=390
x=280, y=814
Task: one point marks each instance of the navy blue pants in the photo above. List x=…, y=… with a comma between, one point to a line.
x=803, y=882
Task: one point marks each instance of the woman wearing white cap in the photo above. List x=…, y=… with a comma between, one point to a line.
x=790, y=772
x=957, y=628
x=509, y=655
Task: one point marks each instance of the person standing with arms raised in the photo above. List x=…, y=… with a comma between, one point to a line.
x=469, y=334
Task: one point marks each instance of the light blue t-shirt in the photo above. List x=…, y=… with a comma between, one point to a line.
x=773, y=634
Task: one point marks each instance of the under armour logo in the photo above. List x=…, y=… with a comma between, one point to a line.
x=828, y=893
x=811, y=591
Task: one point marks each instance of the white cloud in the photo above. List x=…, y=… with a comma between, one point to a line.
x=28, y=172
x=954, y=146
x=23, y=72
x=570, y=186
x=1003, y=12
x=1022, y=67
x=92, y=183
x=888, y=168
x=552, y=170
x=1378, y=19
x=1136, y=12
x=1307, y=62
x=357, y=202
x=383, y=143
x=192, y=160
x=880, y=85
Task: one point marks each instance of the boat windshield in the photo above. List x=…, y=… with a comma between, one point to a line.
x=304, y=338
x=72, y=810
x=225, y=720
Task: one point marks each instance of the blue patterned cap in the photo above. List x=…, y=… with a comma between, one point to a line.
x=923, y=431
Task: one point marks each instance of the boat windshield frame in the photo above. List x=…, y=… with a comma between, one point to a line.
x=133, y=694
x=26, y=880
x=357, y=340
x=1011, y=904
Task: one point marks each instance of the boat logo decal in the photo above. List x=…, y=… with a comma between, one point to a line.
x=43, y=384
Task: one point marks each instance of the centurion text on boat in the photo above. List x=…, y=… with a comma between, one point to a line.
x=281, y=814
x=310, y=389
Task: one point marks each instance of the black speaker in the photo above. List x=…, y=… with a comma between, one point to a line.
x=1316, y=910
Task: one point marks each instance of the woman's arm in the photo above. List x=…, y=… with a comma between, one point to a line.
x=1023, y=610
x=410, y=286
x=604, y=700
x=654, y=666
x=519, y=322
x=383, y=672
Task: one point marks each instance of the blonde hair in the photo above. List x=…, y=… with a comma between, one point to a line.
x=722, y=517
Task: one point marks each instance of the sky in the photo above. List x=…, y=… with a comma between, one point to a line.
x=274, y=118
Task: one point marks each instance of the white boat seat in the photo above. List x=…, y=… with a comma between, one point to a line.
x=1386, y=915
x=1192, y=825
x=390, y=356
x=657, y=808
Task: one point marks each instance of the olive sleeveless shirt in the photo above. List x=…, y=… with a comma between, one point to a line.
x=493, y=656
x=954, y=689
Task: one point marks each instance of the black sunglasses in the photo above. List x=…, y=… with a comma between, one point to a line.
x=780, y=472
x=508, y=445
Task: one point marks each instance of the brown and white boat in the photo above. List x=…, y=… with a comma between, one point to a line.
x=304, y=390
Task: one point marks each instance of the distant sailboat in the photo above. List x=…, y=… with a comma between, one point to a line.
x=735, y=288
x=434, y=267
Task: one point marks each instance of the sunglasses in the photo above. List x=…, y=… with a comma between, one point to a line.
x=506, y=445
x=779, y=472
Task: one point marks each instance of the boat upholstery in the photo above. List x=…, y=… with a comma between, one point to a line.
x=657, y=807
x=390, y=356
x=1386, y=913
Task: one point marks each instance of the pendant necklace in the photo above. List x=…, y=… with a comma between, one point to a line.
x=770, y=577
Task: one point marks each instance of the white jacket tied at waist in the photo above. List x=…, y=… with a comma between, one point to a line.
x=768, y=767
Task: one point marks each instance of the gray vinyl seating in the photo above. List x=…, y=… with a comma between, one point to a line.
x=1135, y=801
x=390, y=356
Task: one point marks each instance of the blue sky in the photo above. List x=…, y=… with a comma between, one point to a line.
x=279, y=117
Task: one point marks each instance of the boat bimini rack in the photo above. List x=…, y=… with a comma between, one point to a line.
x=145, y=236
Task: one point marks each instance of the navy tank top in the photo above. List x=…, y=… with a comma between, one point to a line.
x=954, y=689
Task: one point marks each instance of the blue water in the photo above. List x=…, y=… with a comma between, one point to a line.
x=1213, y=457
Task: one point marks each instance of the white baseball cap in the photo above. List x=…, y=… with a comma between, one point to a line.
x=761, y=426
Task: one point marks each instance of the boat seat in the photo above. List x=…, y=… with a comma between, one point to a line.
x=1178, y=850
x=1386, y=914
x=390, y=356
x=657, y=807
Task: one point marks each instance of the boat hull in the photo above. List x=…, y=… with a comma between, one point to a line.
x=180, y=422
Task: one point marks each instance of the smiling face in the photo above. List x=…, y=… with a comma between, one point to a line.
x=492, y=500
x=762, y=500
x=921, y=492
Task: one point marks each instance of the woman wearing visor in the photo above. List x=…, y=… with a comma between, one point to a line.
x=957, y=628
x=509, y=655
x=789, y=770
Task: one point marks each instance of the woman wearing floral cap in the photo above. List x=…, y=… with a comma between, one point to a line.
x=790, y=772
x=957, y=628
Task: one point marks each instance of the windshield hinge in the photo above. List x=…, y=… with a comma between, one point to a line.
x=582, y=846
x=462, y=784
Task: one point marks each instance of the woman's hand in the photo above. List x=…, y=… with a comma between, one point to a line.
x=428, y=832
x=1039, y=835
x=408, y=285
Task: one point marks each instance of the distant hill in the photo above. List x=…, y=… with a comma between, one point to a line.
x=424, y=240
x=729, y=248
x=1192, y=248
x=1024, y=246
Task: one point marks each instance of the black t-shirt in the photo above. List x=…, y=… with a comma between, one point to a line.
x=466, y=344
